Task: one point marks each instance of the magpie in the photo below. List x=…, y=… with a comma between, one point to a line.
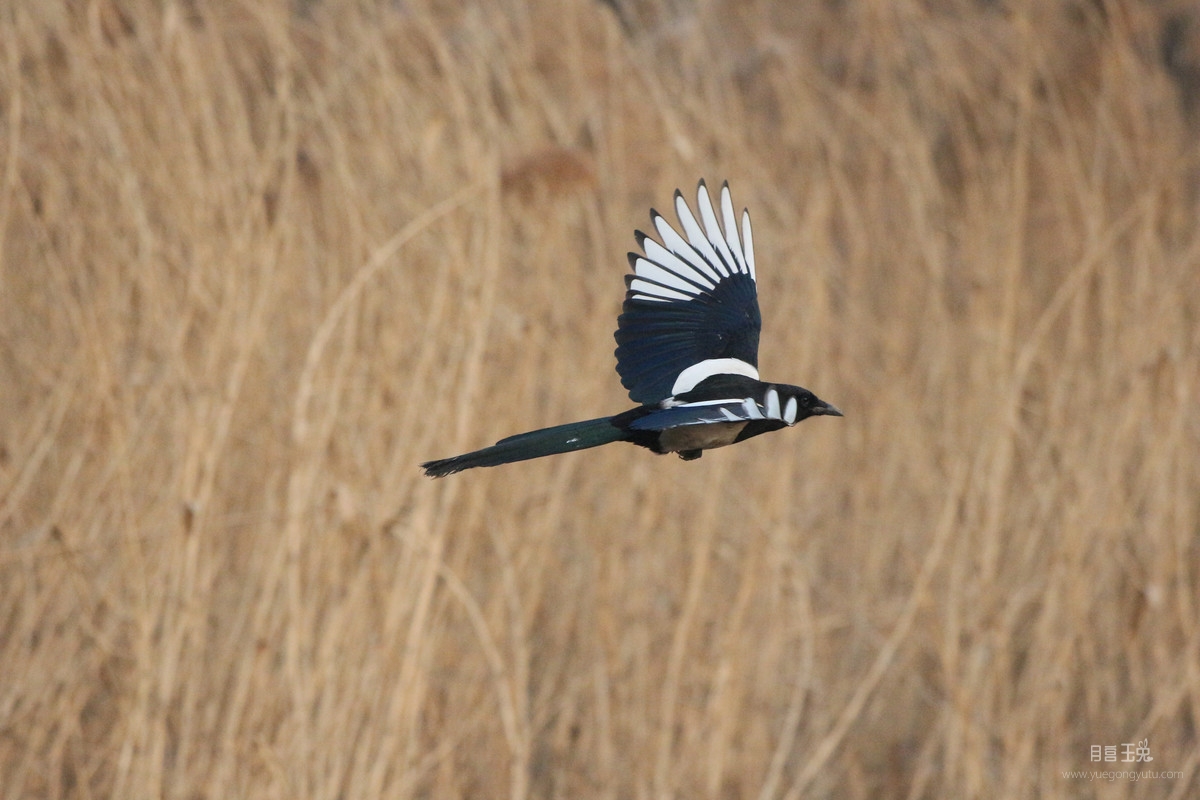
x=687, y=351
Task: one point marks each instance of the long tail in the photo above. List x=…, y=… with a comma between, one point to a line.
x=535, y=444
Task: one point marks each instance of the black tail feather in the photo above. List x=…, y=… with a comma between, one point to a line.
x=535, y=444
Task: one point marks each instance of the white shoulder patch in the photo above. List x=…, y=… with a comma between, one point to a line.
x=691, y=377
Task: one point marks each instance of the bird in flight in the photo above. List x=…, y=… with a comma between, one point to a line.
x=687, y=351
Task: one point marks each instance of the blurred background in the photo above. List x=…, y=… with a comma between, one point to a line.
x=259, y=259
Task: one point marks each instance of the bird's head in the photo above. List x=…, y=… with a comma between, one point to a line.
x=808, y=404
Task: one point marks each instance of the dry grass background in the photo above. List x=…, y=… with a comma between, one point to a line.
x=259, y=259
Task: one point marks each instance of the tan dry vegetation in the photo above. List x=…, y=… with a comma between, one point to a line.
x=258, y=260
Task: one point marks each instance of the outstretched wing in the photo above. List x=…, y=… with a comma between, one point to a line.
x=691, y=308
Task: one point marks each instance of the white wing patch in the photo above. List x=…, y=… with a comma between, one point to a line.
x=679, y=269
x=662, y=282
x=733, y=409
x=789, y=411
x=671, y=402
x=731, y=231
x=696, y=236
x=753, y=410
x=749, y=239
x=713, y=230
x=773, y=411
x=696, y=273
x=649, y=291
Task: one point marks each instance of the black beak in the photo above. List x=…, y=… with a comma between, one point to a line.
x=827, y=410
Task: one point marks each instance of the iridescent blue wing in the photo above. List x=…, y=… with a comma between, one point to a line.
x=691, y=305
